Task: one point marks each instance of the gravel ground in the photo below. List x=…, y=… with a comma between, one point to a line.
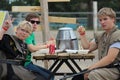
x=82, y=63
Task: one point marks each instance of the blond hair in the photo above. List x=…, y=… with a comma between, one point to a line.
x=25, y=25
x=107, y=12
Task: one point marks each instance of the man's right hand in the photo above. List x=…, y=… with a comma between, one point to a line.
x=81, y=30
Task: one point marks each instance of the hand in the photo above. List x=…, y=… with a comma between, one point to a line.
x=81, y=30
x=86, y=76
x=51, y=38
x=50, y=42
x=6, y=25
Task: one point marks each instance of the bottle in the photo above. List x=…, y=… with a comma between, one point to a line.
x=52, y=49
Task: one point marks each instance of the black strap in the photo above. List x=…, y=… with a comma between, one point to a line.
x=14, y=62
x=118, y=67
x=16, y=43
x=18, y=48
x=115, y=65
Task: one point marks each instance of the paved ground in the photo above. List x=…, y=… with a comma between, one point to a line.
x=82, y=63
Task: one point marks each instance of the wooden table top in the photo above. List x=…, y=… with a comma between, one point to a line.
x=63, y=55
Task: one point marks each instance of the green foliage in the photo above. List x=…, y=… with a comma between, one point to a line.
x=115, y=4
x=72, y=6
x=32, y=2
x=4, y=5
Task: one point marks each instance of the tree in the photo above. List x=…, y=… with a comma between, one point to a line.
x=4, y=5
x=72, y=6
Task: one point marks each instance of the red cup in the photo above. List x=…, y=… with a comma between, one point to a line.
x=52, y=49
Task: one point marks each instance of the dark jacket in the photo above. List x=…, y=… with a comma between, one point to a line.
x=11, y=50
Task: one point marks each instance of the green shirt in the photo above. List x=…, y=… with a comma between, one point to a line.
x=29, y=40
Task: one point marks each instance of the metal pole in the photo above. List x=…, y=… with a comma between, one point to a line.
x=95, y=16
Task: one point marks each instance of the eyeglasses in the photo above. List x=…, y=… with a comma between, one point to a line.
x=25, y=31
x=37, y=22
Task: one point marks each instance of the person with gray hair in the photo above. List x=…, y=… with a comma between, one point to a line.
x=108, y=45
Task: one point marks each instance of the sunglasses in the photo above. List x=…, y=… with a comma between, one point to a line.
x=37, y=22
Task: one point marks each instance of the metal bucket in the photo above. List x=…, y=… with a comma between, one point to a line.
x=66, y=39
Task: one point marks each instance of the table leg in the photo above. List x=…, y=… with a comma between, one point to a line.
x=58, y=66
x=67, y=63
x=58, y=63
x=76, y=65
x=53, y=65
x=70, y=66
x=46, y=64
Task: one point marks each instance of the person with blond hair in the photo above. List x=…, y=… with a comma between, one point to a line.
x=13, y=51
x=108, y=45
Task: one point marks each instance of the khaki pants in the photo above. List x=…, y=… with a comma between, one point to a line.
x=104, y=74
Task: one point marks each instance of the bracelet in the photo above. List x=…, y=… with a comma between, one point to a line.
x=82, y=34
x=5, y=28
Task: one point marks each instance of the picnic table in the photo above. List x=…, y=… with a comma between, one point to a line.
x=63, y=57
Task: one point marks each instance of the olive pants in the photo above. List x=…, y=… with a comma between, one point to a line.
x=104, y=74
x=101, y=74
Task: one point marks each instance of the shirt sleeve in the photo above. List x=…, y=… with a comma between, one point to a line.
x=115, y=45
x=29, y=40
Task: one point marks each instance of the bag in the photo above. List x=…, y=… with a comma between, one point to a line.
x=23, y=73
x=3, y=67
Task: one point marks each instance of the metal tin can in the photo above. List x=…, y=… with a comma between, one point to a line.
x=52, y=49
